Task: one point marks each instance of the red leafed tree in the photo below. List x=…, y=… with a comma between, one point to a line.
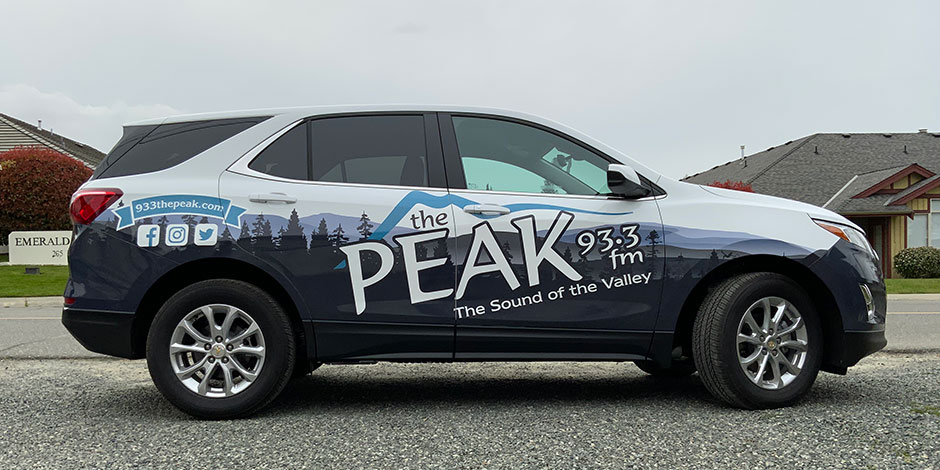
x=36, y=184
x=735, y=185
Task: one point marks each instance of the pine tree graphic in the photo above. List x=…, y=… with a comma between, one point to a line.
x=365, y=226
x=226, y=235
x=292, y=237
x=338, y=238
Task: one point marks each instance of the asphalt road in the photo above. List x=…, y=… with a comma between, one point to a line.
x=63, y=407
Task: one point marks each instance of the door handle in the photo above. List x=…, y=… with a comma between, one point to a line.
x=486, y=209
x=276, y=198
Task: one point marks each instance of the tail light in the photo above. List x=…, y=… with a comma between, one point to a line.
x=89, y=203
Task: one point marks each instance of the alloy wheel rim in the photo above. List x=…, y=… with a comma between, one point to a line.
x=772, y=343
x=217, y=350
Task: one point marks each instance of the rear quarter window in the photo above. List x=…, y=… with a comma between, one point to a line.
x=145, y=149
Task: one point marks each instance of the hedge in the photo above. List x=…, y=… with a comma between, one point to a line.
x=922, y=262
x=36, y=184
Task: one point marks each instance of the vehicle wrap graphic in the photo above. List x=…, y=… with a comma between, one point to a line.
x=415, y=198
x=408, y=253
x=154, y=206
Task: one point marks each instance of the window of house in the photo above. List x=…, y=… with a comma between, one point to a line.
x=917, y=231
x=924, y=229
x=501, y=155
x=934, y=225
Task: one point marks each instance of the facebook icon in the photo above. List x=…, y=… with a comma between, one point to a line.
x=148, y=236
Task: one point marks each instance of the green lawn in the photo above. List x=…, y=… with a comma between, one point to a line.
x=15, y=283
x=4, y=258
x=913, y=286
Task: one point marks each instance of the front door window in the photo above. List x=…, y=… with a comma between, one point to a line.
x=500, y=155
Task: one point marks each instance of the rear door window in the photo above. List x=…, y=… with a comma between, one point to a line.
x=168, y=145
x=387, y=150
x=286, y=157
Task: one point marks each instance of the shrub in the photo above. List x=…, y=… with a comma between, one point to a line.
x=918, y=263
x=735, y=185
x=36, y=184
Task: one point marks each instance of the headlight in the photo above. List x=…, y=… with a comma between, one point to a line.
x=849, y=234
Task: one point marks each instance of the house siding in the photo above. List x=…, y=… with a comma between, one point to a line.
x=919, y=204
x=897, y=235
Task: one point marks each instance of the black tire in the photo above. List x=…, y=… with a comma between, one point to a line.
x=715, y=348
x=279, y=345
x=676, y=369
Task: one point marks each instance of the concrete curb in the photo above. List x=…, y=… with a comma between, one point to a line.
x=7, y=302
x=926, y=297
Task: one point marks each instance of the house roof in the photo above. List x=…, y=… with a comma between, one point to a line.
x=32, y=135
x=915, y=190
x=829, y=169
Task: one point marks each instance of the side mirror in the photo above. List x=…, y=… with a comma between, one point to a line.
x=623, y=181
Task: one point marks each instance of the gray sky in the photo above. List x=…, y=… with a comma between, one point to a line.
x=677, y=85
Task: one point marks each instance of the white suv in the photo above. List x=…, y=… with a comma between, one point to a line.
x=235, y=250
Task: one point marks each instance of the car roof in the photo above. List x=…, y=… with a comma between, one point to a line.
x=306, y=111
x=297, y=113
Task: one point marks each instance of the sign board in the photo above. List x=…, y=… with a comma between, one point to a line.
x=47, y=247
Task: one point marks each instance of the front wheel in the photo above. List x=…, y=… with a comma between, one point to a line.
x=757, y=341
x=221, y=349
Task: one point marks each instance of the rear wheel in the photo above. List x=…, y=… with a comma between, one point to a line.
x=221, y=349
x=757, y=341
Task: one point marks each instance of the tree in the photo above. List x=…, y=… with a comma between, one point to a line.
x=584, y=266
x=292, y=237
x=226, y=235
x=261, y=233
x=421, y=251
x=507, y=251
x=36, y=185
x=735, y=185
x=548, y=187
x=365, y=226
x=338, y=238
x=191, y=221
x=653, y=238
x=244, y=236
x=320, y=237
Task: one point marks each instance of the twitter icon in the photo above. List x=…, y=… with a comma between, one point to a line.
x=206, y=234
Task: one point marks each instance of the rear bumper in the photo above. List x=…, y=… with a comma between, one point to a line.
x=103, y=332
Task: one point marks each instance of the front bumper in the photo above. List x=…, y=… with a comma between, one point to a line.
x=851, y=347
x=103, y=332
x=858, y=344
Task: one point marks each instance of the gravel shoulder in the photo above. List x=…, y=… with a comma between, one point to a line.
x=105, y=413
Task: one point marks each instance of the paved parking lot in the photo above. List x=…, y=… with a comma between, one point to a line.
x=66, y=408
